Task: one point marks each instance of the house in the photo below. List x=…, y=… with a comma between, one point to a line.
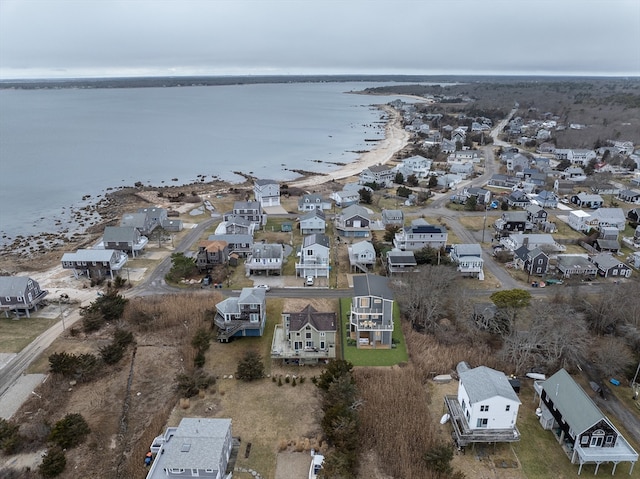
x=609, y=217
x=577, y=156
x=503, y=181
x=249, y=210
x=482, y=196
x=518, y=199
x=172, y=225
x=511, y=221
x=585, y=200
x=124, y=238
x=94, y=263
x=313, y=201
x=447, y=146
x=265, y=257
x=536, y=214
x=379, y=174
x=346, y=197
x=575, y=265
x=449, y=181
x=546, y=199
x=313, y=222
x=238, y=244
x=267, y=192
x=140, y=221
x=485, y=409
x=629, y=196
x=244, y=315
x=515, y=161
x=581, y=220
x=543, y=241
x=371, y=314
x=416, y=165
x=610, y=267
x=362, y=256
x=305, y=337
x=420, y=235
x=353, y=222
x=563, y=187
x=534, y=261
x=236, y=225
x=584, y=433
x=211, y=253
x=575, y=174
x=314, y=257
x=463, y=169
x=468, y=257
x=458, y=136
x=20, y=294
x=392, y=217
x=201, y=446
x=399, y=261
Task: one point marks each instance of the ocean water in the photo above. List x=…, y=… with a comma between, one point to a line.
x=58, y=146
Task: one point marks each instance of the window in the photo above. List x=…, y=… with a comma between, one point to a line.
x=484, y=408
x=609, y=440
x=464, y=404
x=482, y=422
x=322, y=334
x=308, y=344
x=307, y=335
x=322, y=345
x=508, y=407
x=584, y=440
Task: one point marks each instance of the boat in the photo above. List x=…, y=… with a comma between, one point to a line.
x=536, y=376
x=316, y=465
x=443, y=378
x=444, y=419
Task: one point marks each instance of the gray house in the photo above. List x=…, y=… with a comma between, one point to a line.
x=399, y=261
x=305, y=337
x=371, y=315
x=94, y=263
x=313, y=222
x=314, y=257
x=20, y=294
x=211, y=254
x=610, y=267
x=267, y=192
x=249, y=210
x=201, y=446
x=239, y=244
x=124, y=238
x=353, y=222
x=534, y=261
x=244, y=315
x=313, y=201
x=265, y=257
x=392, y=217
x=362, y=256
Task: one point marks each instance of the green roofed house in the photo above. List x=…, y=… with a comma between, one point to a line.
x=584, y=433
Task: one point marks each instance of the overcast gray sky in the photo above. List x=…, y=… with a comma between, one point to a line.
x=56, y=38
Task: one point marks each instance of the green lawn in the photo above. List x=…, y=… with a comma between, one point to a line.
x=374, y=357
x=16, y=334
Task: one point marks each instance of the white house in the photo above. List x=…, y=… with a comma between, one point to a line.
x=362, y=256
x=419, y=235
x=610, y=217
x=543, y=241
x=314, y=257
x=581, y=220
x=313, y=201
x=267, y=192
x=468, y=257
x=415, y=165
x=380, y=174
x=313, y=222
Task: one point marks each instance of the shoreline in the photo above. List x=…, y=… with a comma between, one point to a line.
x=18, y=257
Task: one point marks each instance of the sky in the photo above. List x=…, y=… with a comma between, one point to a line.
x=97, y=38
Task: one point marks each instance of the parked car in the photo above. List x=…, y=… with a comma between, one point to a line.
x=309, y=281
x=266, y=287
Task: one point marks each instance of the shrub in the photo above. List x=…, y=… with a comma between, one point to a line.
x=293, y=382
x=53, y=463
x=111, y=353
x=83, y=367
x=287, y=379
x=188, y=385
x=69, y=431
x=250, y=367
x=10, y=439
x=199, y=360
x=439, y=457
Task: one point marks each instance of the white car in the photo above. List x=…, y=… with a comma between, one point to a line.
x=309, y=281
x=266, y=287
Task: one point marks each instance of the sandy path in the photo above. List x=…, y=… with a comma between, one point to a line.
x=396, y=138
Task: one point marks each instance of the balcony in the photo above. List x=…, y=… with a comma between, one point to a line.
x=281, y=349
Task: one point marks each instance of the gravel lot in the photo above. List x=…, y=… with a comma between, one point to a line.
x=293, y=465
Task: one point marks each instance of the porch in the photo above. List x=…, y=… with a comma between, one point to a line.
x=282, y=349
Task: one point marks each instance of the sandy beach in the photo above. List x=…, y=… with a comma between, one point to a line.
x=396, y=138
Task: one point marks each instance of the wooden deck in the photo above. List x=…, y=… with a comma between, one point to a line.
x=463, y=435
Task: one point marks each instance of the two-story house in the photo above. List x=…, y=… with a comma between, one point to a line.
x=392, y=217
x=267, y=192
x=313, y=222
x=362, y=256
x=353, y=222
x=145, y=220
x=94, y=263
x=536, y=214
x=244, y=315
x=236, y=225
x=511, y=222
x=518, y=199
x=211, y=254
x=20, y=294
x=379, y=174
x=313, y=201
x=534, y=261
x=585, y=200
x=305, y=337
x=610, y=267
x=345, y=197
x=371, y=314
x=416, y=165
x=249, y=210
x=314, y=257
x=585, y=434
x=265, y=257
x=237, y=244
x=468, y=258
x=546, y=199
x=419, y=235
x=609, y=217
x=485, y=408
x=124, y=238
x=198, y=447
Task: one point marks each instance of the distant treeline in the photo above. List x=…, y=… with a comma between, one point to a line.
x=142, y=82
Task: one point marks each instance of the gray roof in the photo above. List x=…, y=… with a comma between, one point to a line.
x=137, y=220
x=267, y=250
x=473, y=249
x=247, y=205
x=197, y=443
x=12, y=286
x=484, y=383
x=266, y=182
x=606, y=261
x=577, y=409
x=321, y=321
x=98, y=255
x=247, y=296
x=363, y=246
x=372, y=285
x=401, y=257
x=354, y=210
x=317, y=238
x=232, y=239
x=119, y=234
x=316, y=213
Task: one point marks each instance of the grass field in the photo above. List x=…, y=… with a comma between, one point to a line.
x=16, y=334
